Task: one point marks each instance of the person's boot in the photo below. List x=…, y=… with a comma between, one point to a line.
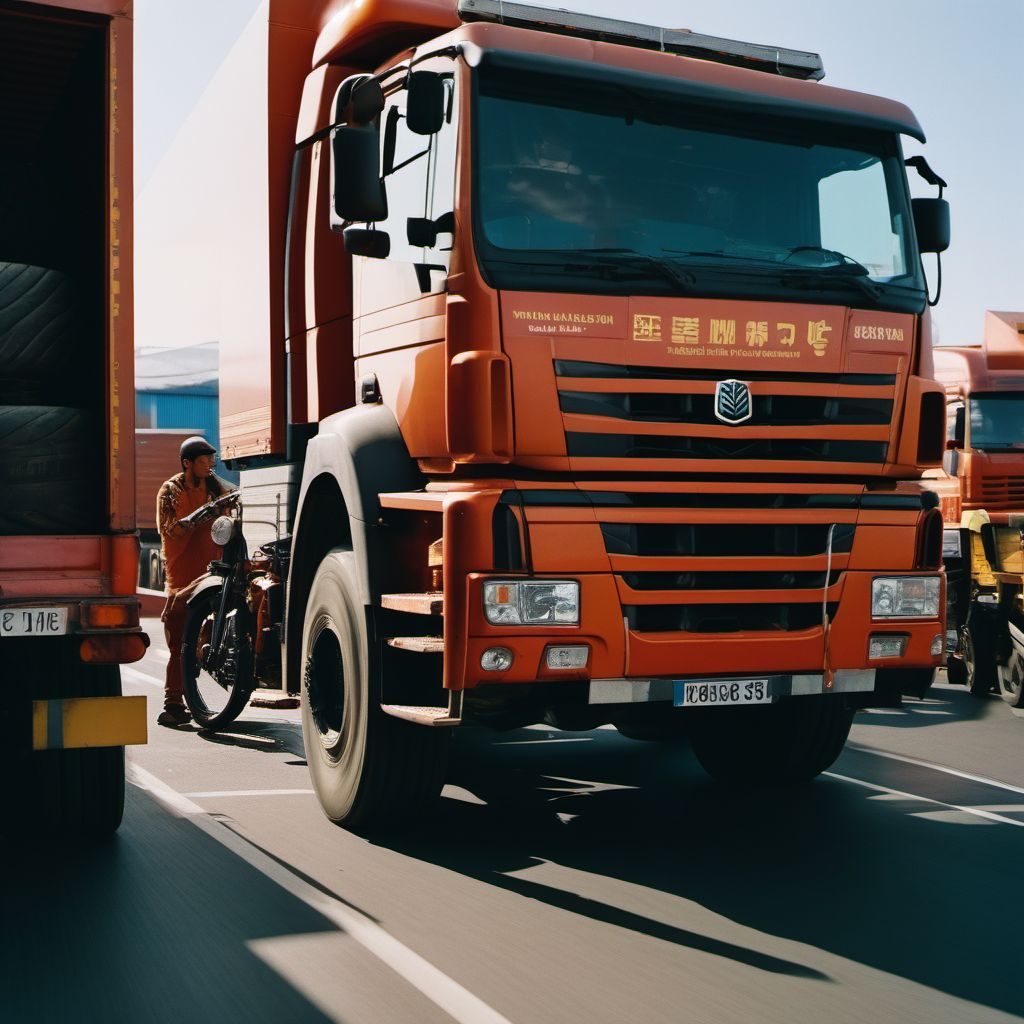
x=174, y=715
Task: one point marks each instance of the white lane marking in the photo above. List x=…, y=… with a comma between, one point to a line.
x=977, y=812
x=937, y=768
x=249, y=792
x=160, y=652
x=444, y=992
x=140, y=677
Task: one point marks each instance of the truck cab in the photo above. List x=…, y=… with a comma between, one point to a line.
x=593, y=361
x=982, y=489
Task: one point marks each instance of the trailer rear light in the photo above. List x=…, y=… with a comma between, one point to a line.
x=773, y=59
x=905, y=597
x=110, y=616
x=567, y=657
x=886, y=646
x=119, y=649
x=532, y=602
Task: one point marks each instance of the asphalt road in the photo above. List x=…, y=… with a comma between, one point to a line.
x=565, y=877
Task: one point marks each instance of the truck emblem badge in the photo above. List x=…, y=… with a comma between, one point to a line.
x=732, y=401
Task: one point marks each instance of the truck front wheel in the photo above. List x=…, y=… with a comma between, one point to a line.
x=788, y=742
x=368, y=769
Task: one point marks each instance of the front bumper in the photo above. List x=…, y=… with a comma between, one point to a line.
x=646, y=611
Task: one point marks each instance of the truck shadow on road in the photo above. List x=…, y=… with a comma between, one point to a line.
x=159, y=923
x=876, y=880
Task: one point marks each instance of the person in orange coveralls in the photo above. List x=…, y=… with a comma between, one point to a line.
x=187, y=551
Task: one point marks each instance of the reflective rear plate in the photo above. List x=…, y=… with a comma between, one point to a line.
x=705, y=693
x=33, y=621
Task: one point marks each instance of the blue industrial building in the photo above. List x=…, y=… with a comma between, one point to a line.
x=177, y=388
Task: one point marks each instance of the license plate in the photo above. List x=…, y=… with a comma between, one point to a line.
x=704, y=693
x=33, y=621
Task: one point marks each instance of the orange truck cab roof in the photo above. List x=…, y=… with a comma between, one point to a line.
x=997, y=364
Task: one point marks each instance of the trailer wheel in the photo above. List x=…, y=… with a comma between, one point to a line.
x=368, y=769
x=77, y=792
x=788, y=742
x=156, y=571
x=40, y=322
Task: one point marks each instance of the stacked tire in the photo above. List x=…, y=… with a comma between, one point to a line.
x=50, y=430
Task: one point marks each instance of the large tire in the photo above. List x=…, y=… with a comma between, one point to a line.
x=76, y=792
x=48, y=476
x=979, y=658
x=910, y=682
x=40, y=322
x=215, y=699
x=788, y=742
x=369, y=770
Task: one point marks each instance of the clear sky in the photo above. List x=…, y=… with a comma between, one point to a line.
x=956, y=65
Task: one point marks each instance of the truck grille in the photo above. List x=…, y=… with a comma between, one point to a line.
x=725, y=618
x=649, y=412
x=1006, y=492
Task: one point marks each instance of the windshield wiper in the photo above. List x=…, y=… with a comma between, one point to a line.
x=612, y=263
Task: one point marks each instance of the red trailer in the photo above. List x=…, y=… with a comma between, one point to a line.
x=69, y=614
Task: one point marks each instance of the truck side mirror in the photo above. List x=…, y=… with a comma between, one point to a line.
x=357, y=189
x=931, y=222
x=359, y=100
x=367, y=242
x=425, y=103
x=422, y=232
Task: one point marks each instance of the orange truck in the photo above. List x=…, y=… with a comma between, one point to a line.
x=68, y=546
x=982, y=501
x=593, y=363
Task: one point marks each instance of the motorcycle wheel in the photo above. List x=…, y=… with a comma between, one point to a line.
x=216, y=695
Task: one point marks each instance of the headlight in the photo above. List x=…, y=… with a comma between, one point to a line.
x=905, y=597
x=532, y=603
x=223, y=530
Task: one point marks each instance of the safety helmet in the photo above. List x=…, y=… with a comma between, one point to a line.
x=193, y=447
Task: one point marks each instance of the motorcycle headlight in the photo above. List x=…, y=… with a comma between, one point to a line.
x=532, y=603
x=905, y=597
x=223, y=530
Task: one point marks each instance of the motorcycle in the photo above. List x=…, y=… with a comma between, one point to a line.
x=234, y=617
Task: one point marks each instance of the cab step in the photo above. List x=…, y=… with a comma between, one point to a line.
x=428, y=716
x=420, y=644
x=418, y=604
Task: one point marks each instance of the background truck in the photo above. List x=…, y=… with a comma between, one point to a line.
x=156, y=460
x=68, y=547
x=982, y=500
x=593, y=363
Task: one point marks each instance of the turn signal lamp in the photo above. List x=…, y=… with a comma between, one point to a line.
x=574, y=657
x=110, y=616
x=886, y=647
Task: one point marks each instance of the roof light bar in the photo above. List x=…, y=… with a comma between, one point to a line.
x=773, y=59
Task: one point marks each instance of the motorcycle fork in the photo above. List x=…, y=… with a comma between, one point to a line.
x=220, y=618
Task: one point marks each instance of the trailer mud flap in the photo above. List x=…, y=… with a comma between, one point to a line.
x=88, y=722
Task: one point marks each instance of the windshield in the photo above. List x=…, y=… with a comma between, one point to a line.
x=749, y=206
x=997, y=421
